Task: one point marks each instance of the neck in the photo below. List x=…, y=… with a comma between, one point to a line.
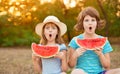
x=88, y=35
x=51, y=43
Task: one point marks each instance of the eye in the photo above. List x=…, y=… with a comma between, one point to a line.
x=93, y=20
x=54, y=27
x=86, y=20
x=47, y=27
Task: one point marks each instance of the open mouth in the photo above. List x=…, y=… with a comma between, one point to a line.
x=90, y=28
x=50, y=35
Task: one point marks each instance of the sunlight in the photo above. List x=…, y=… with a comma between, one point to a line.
x=22, y=6
x=17, y=13
x=119, y=1
x=118, y=13
x=3, y=13
x=46, y=1
x=14, y=11
x=70, y=3
x=9, y=19
x=34, y=8
x=11, y=1
x=17, y=3
x=11, y=9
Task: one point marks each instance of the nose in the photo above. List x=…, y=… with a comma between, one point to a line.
x=50, y=30
x=90, y=22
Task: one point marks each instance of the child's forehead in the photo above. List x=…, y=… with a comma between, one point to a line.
x=89, y=16
x=50, y=24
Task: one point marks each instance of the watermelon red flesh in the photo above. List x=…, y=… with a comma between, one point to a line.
x=45, y=51
x=91, y=44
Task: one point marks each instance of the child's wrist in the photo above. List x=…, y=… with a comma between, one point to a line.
x=76, y=54
x=62, y=55
x=100, y=54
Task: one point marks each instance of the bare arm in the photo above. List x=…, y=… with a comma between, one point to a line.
x=104, y=59
x=72, y=57
x=63, y=56
x=64, y=65
x=74, y=54
x=37, y=64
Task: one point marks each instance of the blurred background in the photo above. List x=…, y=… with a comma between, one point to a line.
x=18, y=19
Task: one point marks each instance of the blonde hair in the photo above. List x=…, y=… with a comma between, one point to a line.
x=93, y=13
x=58, y=39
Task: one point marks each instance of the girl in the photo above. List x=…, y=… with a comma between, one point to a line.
x=95, y=61
x=50, y=32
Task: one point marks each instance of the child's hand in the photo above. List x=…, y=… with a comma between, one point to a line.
x=79, y=51
x=35, y=57
x=98, y=51
x=33, y=54
x=60, y=55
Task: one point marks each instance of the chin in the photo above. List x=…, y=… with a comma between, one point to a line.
x=90, y=32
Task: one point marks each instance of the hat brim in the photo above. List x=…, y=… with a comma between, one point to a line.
x=62, y=26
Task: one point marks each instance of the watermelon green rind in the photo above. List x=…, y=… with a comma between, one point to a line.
x=91, y=44
x=47, y=52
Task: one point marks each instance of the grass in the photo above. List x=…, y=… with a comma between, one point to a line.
x=18, y=60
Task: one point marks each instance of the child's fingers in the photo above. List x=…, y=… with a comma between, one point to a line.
x=98, y=49
x=33, y=54
x=80, y=51
x=59, y=55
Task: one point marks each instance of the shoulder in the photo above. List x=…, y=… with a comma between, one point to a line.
x=78, y=36
x=62, y=47
x=73, y=41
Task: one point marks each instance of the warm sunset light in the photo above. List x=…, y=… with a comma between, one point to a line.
x=46, y=1
x=34, y=8
x=70, y=3
x=3, y=13
x=11, y=9
x=17, y=13
x=119, y=1
x=118, y=13
x=15, y=7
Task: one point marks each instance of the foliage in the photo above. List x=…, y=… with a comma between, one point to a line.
x=19, y=30
x=17, y=35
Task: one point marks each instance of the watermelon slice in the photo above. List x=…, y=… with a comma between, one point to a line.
x=45, y=51
x=91, y=44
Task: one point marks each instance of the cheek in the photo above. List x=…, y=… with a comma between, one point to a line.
x=45, y=32
x=85, y=26
x=56, y=32
x=95, y=24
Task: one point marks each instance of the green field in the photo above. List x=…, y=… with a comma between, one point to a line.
x=17, y=60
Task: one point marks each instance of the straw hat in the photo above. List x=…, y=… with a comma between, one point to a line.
x=53, y=19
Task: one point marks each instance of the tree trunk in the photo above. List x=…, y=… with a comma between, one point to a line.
x=105, y=16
